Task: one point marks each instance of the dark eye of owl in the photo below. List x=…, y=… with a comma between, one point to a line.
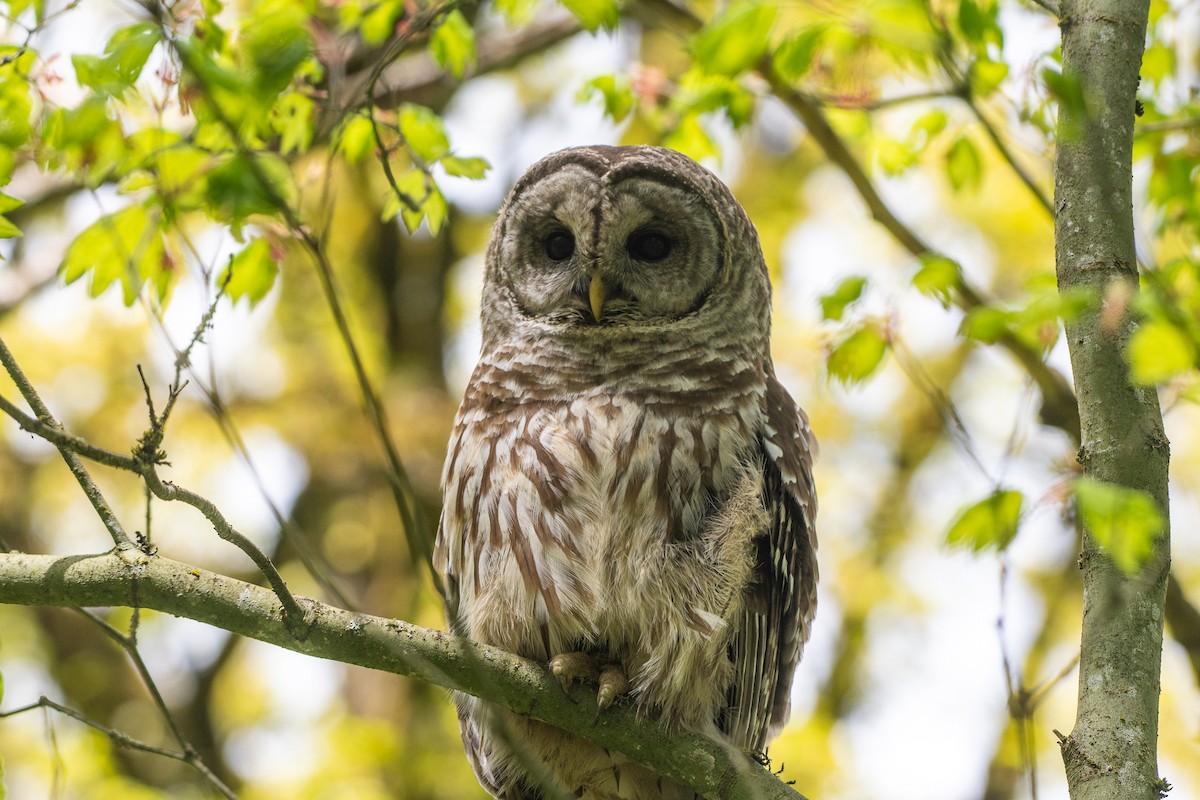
x=560, y=244
x=648, y=245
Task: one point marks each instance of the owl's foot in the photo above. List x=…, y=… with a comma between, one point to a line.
x=579, y=666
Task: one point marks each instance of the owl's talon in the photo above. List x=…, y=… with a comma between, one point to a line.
x=572, y=667
x=613, y=684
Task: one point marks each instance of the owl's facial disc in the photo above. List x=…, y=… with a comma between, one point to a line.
x=639, y=250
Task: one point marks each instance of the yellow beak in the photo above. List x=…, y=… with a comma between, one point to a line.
x=597, y=294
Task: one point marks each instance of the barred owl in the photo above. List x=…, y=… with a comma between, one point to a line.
x=628, y=490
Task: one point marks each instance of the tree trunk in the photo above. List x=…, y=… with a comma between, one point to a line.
x=1112, y=751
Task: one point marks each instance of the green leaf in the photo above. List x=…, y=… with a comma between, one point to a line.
x=251, y=273
x=355, y=138
x=595, y=14
x=408, y=199
x=700, y=93
x=436, y=210
x=275, y=42
x=979, y=23
x=735, y=40
x=986, y=324
x=517, y=12
x=15, y=103
x=989, y=524
x=929, y=125
x=1124, y=522
x=8, y=203
x=616, y=92
x=986, y=76
x=181, y=172
x=17, y=7
x=1158, y=351
x=963, y=166
x=83, y=140
x=126, y=246
x=795, y=54
x=236, y=190
x=123, y=60
x=938, y=277
x=292, y=119
x=472, y=167
x=1067, y=91
x=857, y=356
x=903, y=28
x=894, y=157
x=833, y=304
x=423, y=132
x=379, y=24
x=689, y=137
x=8, y=229
x=453, y=44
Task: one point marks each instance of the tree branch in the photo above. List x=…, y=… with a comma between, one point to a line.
x=1112, y=749
x=419, y=79
x=709, y=767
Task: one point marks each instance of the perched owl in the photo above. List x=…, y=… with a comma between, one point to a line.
x=628, y=491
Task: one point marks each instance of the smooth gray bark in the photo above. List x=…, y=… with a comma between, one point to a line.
x=1111, y=754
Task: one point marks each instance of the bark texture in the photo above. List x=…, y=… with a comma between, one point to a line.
x=1112, y=750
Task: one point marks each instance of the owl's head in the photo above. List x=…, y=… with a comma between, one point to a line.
x=620, y=241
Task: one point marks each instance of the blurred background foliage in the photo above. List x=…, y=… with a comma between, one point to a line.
x=323, y=177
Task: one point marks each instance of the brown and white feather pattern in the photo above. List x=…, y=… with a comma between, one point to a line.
x=637, y=486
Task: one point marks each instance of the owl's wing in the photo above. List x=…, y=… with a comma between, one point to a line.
x=781, y=598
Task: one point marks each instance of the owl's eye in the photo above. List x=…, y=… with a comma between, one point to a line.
x=648, y=245
x=560, y=244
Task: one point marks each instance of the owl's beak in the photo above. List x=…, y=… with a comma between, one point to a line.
x=597, y=294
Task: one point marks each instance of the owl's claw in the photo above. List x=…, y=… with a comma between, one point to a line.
x=572, y=667
x=579, y=666
x=613, y=684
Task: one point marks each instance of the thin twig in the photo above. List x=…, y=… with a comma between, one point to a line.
x=94, y=495
x=881, y=103
x=129, y=645
x=1038, y=695
x=119, y=738
x=296, y=618
x=1166, y=125
x=56, y=436
x=1018, y=707
x=1009, y=157
x=216, y=407
x=952, y=421
x=402, y=490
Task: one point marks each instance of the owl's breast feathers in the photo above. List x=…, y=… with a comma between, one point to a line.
x=657, y=508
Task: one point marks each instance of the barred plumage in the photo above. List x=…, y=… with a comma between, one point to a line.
x=626, y=477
